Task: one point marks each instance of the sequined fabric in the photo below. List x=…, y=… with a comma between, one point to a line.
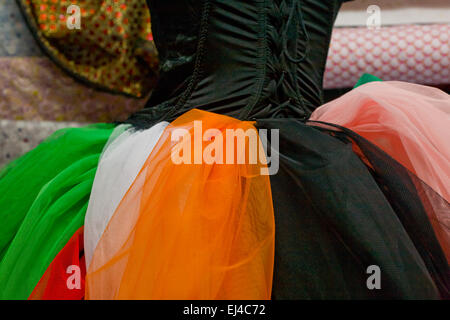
x=112, y=49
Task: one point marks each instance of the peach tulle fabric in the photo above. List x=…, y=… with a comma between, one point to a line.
x=409, y=122
x=189, y=231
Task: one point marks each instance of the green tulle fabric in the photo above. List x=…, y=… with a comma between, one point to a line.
x=366, y=78
x=43, y=200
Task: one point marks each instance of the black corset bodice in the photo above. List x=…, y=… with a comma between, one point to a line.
x=250, y=59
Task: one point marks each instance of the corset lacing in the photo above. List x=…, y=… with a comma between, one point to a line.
x=283, y=98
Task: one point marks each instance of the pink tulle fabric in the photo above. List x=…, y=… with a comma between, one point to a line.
x=409, y=122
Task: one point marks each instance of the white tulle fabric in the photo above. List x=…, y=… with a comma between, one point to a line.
x=122, y=159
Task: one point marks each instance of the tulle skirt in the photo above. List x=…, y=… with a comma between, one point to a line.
x=43, y=200
x=361, y=186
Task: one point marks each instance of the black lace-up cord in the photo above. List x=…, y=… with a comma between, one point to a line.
x=294, y=100
x=297, y=97
x=284, y=57
x=295, y=7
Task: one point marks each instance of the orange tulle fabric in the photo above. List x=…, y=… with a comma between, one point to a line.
x=409, y=122
x=189, y=231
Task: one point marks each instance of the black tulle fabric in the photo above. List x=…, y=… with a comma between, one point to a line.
x=413, y=202
x=335, y=216
x=341, y=204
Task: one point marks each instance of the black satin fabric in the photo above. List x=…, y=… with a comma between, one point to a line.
x=175, y=28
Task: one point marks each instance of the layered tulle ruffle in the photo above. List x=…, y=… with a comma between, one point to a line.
x=43, y=201
x=364, y=183
x=188, y=231
x=411, y=123
x=122, y=160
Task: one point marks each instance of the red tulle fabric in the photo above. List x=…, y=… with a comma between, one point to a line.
x=65, y=277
